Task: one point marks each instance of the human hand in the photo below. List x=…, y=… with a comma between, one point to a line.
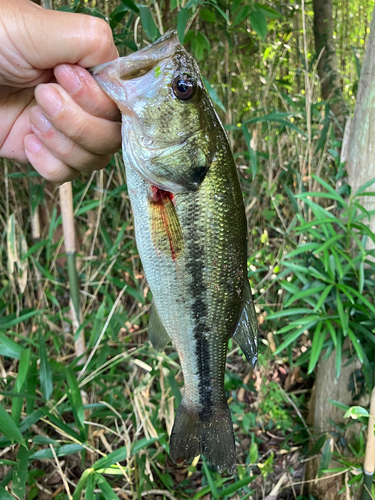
x=61, y=128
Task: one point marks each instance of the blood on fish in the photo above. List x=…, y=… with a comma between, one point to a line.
x=165, y=219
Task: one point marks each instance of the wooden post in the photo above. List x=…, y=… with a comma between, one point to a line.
x=67, y=214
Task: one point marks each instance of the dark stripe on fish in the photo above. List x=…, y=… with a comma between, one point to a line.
x=195, y=267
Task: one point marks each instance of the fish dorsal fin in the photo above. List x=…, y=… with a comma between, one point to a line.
x=165, y=227
x=246, y=334
x=156, y=332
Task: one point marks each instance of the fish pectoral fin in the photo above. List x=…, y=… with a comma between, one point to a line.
x=246, y=334
x=156, y=331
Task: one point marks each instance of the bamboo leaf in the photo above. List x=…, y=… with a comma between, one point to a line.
x=9, y=428
x=90, y=485
x=45, y=370
x=181, y=24
x=303, y=294
x=212, y=93
x=316, y=347
x=20, y=475
x=259, y=23
x=107, y=490
x=148, y=23
x=116, y=456
x=4, y=495
x=23, y=368
x=74, y=395
x=294, y=336
x=210, y=481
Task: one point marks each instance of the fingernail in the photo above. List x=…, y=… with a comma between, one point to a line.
x=32, y=144
x=38, y=120
x=48, y=99
x=68, y=77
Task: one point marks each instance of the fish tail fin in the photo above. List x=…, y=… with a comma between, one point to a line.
x=204, y=433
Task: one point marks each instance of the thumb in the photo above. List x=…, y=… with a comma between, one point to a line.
x=46, y=38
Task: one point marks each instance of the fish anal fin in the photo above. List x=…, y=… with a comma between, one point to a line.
x=156, y=331
x=165, y=227
x=246, y=334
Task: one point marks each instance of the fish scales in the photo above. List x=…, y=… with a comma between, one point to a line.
x=190, y=228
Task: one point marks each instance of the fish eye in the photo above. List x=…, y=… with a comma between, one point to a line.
x=184, y=87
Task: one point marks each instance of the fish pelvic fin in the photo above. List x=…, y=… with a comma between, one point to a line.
x=156, y=331
x=165, y=227
x=203, y=433
x=246, y=334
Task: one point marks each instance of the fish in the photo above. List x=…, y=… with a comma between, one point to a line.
x=191, y=234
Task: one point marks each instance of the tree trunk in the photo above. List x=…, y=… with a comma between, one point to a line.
x=327, y=387
x=329, y=75
x=360, y=163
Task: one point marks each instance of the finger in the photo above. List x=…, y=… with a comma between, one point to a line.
x=46, y=38
x=81, y=86
x=93, y=133
x=48, y=166
x=63, y=148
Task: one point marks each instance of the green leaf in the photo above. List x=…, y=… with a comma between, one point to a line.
x=212, y=93
x=316, y=347
x=45, y=370
x=131, y=5
x=259, y=24
x=253, y=154
x=62, y=451
x=289, y=312
x=143, y=443
x=323, y=297
x=363, y=188
x=181, y=24
x=305, y=247
x=241, y=15
x=331, y=331
x=210, y=481
x=4, y=495
x=342, y=315
x=107, y=491
x=334, y=194
x=357, y=345
x=20, y=475
x=268, y=11
x=305, y=293
x=207, y=15
x=235, y=487
x=90, y=485
x=112, y=458
x=10, y=348
x=274, y=117
x=361, y=277
x=22, y=317
x=356, y=412
x=74, y=395
x=315, y=449
x=9, y=428
x=294, y=336
x=81, y=484
x=148, y=24
x=23, y=368
x=326, y=456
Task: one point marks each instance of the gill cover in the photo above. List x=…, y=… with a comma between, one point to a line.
x=163, y=102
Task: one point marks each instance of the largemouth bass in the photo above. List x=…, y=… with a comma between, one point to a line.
x=190, y=229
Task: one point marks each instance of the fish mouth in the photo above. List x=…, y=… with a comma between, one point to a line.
x=140, y=62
